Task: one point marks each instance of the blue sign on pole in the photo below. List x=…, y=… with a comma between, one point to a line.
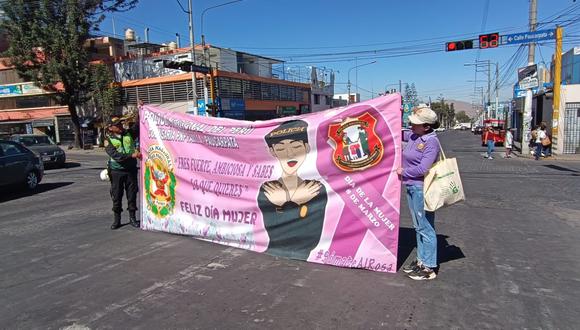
x=527, y=37
x=407, y=110
x=522, y=92
x=201, y=108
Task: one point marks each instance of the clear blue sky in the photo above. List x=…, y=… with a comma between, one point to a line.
x=294, y=30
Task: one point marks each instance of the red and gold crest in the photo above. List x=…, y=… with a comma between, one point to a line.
x=357, y=145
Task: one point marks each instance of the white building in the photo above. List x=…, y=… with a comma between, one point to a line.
x=322, y=85
x=340, y=100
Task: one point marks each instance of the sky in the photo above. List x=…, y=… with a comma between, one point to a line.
x=405, y=38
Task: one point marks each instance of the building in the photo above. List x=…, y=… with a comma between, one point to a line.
x=567, y=140
x=322, y=86
x=339, y=100
x=541, y=106
x=243, y=85
x=26, y=108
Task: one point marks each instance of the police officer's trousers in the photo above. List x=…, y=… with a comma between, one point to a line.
x=124, y=181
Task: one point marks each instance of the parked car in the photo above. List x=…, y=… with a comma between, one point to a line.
x=478, y=130
x=19, y=165
x=50, y=153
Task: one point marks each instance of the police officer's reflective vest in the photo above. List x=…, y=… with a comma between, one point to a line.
x=124, y=144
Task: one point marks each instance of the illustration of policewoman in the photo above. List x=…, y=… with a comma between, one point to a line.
x=293, y=208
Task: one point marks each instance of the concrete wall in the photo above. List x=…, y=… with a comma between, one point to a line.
x=228, y=61
x=569, y=94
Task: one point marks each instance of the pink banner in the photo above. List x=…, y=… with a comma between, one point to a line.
x=320, y=187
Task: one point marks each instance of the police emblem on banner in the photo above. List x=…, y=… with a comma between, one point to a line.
x=356, y=144
x=160, y=182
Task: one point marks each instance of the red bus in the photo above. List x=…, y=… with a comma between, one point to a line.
x=498, y=134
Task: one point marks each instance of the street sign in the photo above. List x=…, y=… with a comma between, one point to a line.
x=528, y=77
x=527, y=37
x=518, y=92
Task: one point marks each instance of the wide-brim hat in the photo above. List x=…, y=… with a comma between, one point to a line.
x=114, y=121
x=423, y=115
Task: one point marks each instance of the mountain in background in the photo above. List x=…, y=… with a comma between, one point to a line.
x=463, y=106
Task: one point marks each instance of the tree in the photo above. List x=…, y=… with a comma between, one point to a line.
x=411, y=94
x=105, y=95
x=47, y=45
x=445, y=111
x=462, y=117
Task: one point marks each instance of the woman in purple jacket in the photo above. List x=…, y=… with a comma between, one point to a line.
x=421, y=151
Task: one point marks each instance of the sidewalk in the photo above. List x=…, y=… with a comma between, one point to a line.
x=517, y=151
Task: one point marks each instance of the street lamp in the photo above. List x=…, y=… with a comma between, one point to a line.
x=354, y=67
x=205, y=54
x=202, y=15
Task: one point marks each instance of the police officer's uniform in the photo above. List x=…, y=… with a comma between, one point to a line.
x=123, y=175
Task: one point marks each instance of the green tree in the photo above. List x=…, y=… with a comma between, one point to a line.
x=462, y=117
x=411, y=94
x=445, y=111
x=47, y=45
x=451, y=115
x=104, y=93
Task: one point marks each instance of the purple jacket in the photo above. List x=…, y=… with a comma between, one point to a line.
x=418, y=156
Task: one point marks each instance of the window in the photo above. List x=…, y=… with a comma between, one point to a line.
x=35, y=140
x=33, y=102
x=316, y=99
x=10, y=149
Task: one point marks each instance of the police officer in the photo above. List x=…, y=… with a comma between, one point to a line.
x=122, y=167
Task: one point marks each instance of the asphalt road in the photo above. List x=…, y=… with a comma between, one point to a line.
x=509, y=259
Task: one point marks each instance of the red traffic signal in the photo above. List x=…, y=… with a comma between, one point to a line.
x=458, y=45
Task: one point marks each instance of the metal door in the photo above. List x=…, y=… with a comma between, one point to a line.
x=572, y=128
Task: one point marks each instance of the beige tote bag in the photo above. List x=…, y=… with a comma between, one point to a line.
x=442, y=185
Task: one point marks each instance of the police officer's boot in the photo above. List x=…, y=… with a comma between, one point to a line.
x=117, y=222
x=133, y=219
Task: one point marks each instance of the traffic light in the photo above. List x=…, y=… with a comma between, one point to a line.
x=458, y=45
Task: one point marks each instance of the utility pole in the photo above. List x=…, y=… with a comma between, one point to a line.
x=557, y=89
x=527, y=120
x=497, y=89
x=192, y=42
x=488, y=87
x=480, y=67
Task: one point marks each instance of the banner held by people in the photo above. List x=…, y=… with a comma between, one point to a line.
x=320, y=187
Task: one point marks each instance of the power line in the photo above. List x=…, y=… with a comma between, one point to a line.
x=181, y=6
x=483, y=23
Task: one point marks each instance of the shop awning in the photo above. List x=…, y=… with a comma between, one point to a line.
x=32, y=113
